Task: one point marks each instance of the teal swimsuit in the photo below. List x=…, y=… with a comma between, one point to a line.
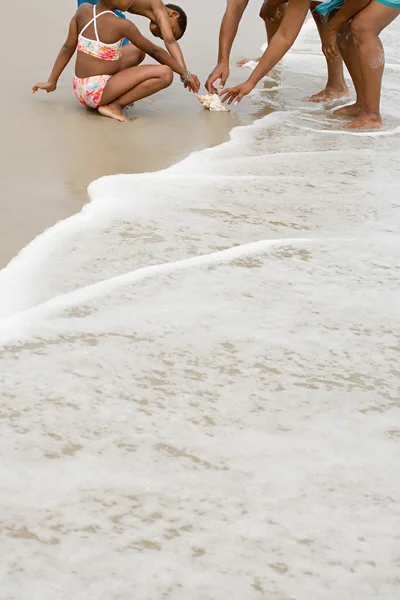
x=117, y=12
x=326, y=8
x=391, y=3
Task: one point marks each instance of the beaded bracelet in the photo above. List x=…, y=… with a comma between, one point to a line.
x=184, y=79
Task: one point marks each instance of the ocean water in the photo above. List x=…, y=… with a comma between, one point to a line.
x=200, y=372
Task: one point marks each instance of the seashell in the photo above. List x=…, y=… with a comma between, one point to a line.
x=212, y=102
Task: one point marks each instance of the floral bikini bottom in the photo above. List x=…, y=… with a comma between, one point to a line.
x=89, y=90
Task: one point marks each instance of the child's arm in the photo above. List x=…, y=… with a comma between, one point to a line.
x=170, y=42
x=161, y=18
x=63, y=58
x=130, y=31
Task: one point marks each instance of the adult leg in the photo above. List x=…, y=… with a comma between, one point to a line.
x=348, y=51
x=365, y=28
x=271, y=27
x=132, y=85
x=336, y=85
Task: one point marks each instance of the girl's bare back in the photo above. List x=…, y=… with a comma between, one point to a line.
x=109, y=32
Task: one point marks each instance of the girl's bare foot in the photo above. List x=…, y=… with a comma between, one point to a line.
x=244, y=61
x=113, y=111
x=365, y=121
x=352, y=110
x=329, y=94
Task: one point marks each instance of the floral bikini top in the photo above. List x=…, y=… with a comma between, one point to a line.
x=95, y=47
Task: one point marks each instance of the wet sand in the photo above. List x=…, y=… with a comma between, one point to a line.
x=52, y=148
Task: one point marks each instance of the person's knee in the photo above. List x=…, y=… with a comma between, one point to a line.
x=131, y=57
x=263, y=11
x=166, y=75
x=342, y=38
x=140, y=57
x=360, y=27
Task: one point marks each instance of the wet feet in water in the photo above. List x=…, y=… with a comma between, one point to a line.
x=329, y=94
x=365, y=121
x=244, y=61
x=351, y=110
x=113, y=111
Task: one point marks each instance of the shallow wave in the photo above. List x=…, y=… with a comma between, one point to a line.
x=216, y=421
x=277, y=178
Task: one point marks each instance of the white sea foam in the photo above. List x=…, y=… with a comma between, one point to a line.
x=199, y=374
x=219, y=422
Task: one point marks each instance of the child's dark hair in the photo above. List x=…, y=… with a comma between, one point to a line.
x=182, y=20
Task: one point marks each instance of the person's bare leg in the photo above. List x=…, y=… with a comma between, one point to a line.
x=336, y=86
x=132, y=85
x=349, y=54
x=271, y=28
x=131, y=57
x=366, y=27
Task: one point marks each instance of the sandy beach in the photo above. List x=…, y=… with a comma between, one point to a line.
x=51, y=148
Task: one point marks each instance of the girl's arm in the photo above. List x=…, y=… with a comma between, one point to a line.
x=133, y=34
x=66, y=53
x=282, y=41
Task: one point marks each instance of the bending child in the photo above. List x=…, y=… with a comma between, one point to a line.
x=167, y=22
x=100, y=80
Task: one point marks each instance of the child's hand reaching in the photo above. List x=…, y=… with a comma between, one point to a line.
x=192, y=84
x=47, y=86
